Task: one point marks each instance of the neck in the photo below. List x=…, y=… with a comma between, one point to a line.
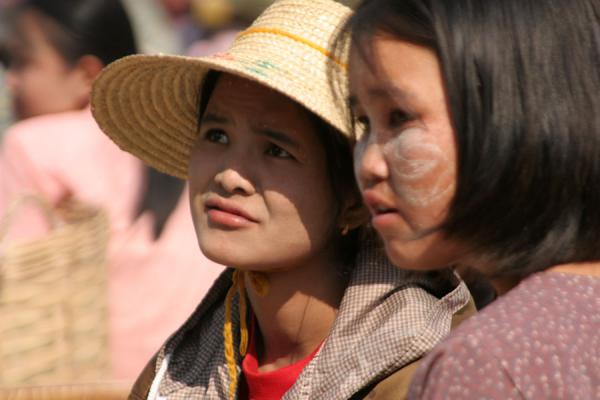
x=503, y=285
x=590, y=269
x=297, y=313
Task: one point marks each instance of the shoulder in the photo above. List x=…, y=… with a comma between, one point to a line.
x=34, y=137
x=523, y=343
x=142, y=385
x=60, y=124
x=464, y=367
x=394, y=386
x=471, y=362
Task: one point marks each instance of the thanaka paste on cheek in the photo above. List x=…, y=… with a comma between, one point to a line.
x=421, y=173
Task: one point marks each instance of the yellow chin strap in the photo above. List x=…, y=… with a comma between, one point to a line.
x=260, y=284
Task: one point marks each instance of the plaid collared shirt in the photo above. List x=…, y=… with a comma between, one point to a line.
x=387, y=319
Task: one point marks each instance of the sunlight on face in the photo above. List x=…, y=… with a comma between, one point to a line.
x=406, y=160
x=261, y=198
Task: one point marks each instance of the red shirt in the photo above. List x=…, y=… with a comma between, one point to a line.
x=269, y=385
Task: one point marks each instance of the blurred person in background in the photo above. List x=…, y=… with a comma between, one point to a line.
x=56, y=151
x=153, y=27
x=182, y=21
x=222, y=20
x=5, y=101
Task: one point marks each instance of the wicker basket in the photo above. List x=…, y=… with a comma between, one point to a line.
x=81, y=391
x=53, y=300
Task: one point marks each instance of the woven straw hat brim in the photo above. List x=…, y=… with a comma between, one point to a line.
x=148, y=105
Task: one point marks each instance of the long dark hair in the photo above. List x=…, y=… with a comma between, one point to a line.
x=522, y=79
x=102, y=28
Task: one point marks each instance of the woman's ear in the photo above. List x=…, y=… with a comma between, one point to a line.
x=353, y=215
x=86, y=70
x=90, y=67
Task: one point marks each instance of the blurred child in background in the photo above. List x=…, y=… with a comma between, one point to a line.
x=5, y=108
x=156, y=273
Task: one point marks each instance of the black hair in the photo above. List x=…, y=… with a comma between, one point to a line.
x=522, y=79
x=102, y=28
x=340, y=169
x=80, y=27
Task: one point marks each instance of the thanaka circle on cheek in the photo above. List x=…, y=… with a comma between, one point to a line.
x=420, y=171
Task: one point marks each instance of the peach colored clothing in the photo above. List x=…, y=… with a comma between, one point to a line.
x=153, y=285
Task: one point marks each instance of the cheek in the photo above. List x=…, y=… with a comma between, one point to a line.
x=310, y=202
x=43, y=91
x=199, y=178
x=421, y=172
x=309, y=208
x=200, y=168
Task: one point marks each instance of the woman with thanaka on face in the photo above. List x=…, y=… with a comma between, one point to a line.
x=56, y=151
x=480, y=147
x=310, y=306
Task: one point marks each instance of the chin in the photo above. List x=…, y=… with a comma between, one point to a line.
x=218, y=254
x=222, y=252
x=404, y=256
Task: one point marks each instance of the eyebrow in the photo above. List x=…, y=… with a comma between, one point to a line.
x=278, y=136
x=389, y=90
x=208, y=118
x=281, y=137
x=381, y=92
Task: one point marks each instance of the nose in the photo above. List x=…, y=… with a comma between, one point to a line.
x=371, y=166
x=233, y=182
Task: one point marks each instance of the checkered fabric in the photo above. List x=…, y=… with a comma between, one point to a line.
x=387, y=319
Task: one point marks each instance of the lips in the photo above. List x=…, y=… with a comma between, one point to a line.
x=227, y=212
x=378, y=204
x=385, y=217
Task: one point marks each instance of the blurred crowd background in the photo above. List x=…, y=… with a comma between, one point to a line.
x=185, y=27
x=154, y=274
x=192, y=27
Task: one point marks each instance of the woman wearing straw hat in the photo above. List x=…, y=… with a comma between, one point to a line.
x=310, y=308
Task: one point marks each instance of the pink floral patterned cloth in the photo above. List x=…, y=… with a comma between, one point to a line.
x=539, y=341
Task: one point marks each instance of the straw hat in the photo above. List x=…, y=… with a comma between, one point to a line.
x=148, y=105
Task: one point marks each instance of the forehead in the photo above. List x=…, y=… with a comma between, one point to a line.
x=31, y=33
x=245, y=101
x=393, y=68
x=238, y=92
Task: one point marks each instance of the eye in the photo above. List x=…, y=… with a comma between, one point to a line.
x=398, y=118
x=278, y=152
x=216, y=136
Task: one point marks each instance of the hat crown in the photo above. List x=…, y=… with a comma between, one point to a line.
x=290, y=44
x=148, y=105
x=315, y=21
